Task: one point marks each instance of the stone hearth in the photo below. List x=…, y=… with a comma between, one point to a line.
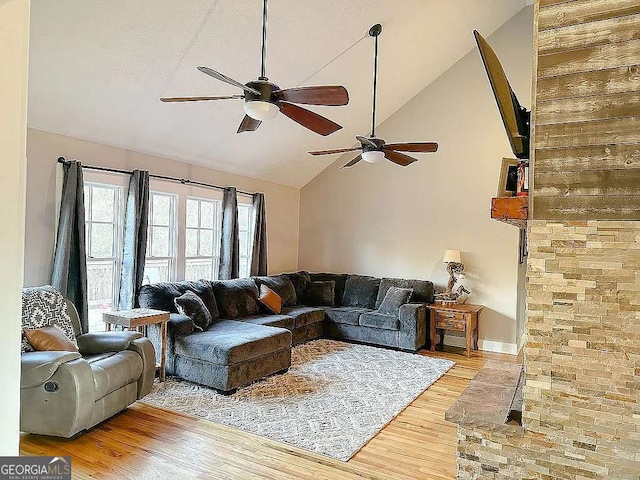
x=487, y=413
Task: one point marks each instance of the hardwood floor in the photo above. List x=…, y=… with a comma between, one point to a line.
x=145, y=442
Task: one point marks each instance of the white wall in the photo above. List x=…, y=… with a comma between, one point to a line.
x=43, y=149
x=14, y=51
x=386, y=220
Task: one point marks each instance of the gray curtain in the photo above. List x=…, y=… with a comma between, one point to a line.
x=230, y=243
x=69, y=275
x=135, y=239
x=259, y=251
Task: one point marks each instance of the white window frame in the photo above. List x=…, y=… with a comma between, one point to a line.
x=118, y=184
x=173, y=233
x=216, y=230
x=180, y=193
x=248, y=254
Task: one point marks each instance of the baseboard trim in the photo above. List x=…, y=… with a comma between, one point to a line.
x=484, y=345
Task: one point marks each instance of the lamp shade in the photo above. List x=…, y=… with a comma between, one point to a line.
x=260, y=110
x=373, y=156
x=451, y=256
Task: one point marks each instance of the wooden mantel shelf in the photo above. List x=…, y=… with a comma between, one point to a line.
x=511, y=210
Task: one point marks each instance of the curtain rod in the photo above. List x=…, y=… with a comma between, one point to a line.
x=183, y=181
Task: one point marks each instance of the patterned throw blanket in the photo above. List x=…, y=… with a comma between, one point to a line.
x=44, y=307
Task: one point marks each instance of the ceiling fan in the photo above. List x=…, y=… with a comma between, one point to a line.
x=375, y=149
x=263, y=99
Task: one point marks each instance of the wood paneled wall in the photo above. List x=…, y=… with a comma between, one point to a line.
x=586, y=132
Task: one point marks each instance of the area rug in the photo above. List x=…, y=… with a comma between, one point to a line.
x=335, y=397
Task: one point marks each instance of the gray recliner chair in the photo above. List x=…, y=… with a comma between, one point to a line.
x=63, y=393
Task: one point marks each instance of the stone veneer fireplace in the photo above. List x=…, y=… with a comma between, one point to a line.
x=581, y=405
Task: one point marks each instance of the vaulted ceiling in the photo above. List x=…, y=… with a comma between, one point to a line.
x=98, y=67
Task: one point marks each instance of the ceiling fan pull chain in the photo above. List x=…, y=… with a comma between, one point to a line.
x=264, y=42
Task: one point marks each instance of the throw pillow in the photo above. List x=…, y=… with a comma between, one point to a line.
x=270, y=299
x=321, y=294
x=422, y=289
x=50, y=339
x=202, y=288
x=282, y=286
x=44, y=307
x=394, y=298
x=192, y=306
x=339, y=278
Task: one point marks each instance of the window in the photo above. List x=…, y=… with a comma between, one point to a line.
x=183, y=237
x=103, y=213
x=161, y=239
x=202, y=242
x=245, y=232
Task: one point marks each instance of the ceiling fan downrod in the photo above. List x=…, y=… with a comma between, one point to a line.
x=263, y=75
x=374, y=32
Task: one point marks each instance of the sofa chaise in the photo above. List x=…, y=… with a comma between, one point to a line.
x=246, y=342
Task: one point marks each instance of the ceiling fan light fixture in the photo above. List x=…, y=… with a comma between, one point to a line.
x=260, y=110
x=373, y=156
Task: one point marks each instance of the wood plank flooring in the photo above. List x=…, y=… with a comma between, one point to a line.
x=145, y=442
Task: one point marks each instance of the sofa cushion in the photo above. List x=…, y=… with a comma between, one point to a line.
x=270, y=300
x=360, y=291
x=422, y=289
x=394, y=299
x=303, y=316
x=321, y=294
x=376, y=319
x=282, y=321
x=202, y=288
x=115, y=371
x=348, y=315
x=282, y=286
x=159, y=296
x=299, y=281
x=236, y=298
x=228, y=342
x=192, y=306
x=339, y=278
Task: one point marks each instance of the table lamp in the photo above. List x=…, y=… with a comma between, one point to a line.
x=454, y=267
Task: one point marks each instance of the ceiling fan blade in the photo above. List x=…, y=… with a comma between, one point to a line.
x=308, y=119
x=225, y=79
x=199, y=99
x=425, y=147
x=399, y=158
x=352, y=162
x=330, y=152
x=366, y=141
x=323, y=95
x=248, y=124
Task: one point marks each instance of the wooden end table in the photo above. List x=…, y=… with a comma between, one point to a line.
x=138, y=319
x=455, y=317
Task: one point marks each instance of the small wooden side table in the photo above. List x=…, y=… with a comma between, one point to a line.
x=456, y=317
x=138, y=319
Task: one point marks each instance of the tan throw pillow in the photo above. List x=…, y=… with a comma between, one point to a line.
x=50, y=339
x=270, y=299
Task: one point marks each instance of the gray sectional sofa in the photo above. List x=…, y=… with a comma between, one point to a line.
x=246, y=342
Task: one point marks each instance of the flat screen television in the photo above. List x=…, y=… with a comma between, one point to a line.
x=515, y=117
